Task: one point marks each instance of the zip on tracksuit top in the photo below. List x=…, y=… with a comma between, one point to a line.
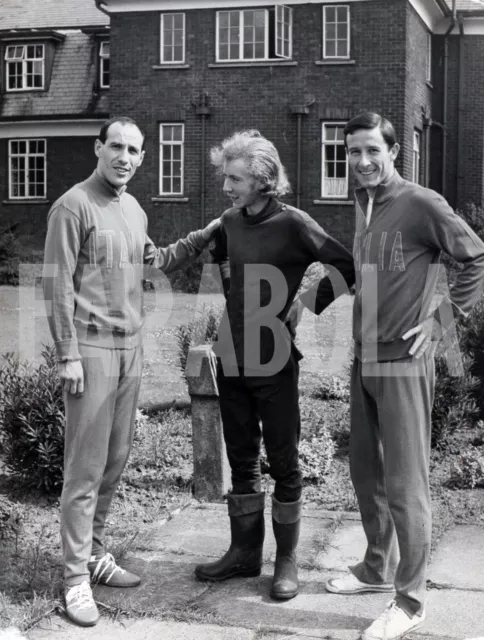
x=95, y=249
x=397, y=257
x=263, y=259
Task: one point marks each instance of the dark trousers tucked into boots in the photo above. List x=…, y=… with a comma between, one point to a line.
x=244, y=556
x=286, y=522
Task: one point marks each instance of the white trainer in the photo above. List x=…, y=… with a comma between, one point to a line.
x=80, y=605
x=349, y=584
x=393, y=624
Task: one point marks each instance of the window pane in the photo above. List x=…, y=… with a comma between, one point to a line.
x=223, y=52
x=330, y=14
x=168, y=21
x=177, y=133
x=234, y=18
x=178, y=22
x=223, y=19
x=14, y=146
x=340, y=134
x=260, y=18
x=22, y=146
x=331, y=48
x=330, y=152
x=177, y=185
x=259, y=50
x=248, y=51
x=224, y=36
x=330, y=31
x=342, y=13
x=168, y=37
x=341, y=153
x=341, y=170
x=342, y=49
x=234, y=52
x=166, y=168
x=166, y=185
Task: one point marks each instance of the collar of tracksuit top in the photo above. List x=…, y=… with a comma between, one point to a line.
x=100, y=186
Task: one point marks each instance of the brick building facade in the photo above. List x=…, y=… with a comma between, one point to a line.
x=193, y=71
x=53, y=101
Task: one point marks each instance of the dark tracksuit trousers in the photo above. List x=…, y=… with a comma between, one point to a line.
x=265, y=407
x=391, y=405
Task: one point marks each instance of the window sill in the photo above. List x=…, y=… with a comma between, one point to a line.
x=25, y=201
x=263, y=63
x=27, y=90
x=170, y=66
x=330, y=63
x=169, y=199
x=338, y=202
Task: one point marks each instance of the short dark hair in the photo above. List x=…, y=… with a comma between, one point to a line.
x=103, y=134
x=370, y=120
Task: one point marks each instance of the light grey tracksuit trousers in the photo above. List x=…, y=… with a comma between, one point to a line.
x=391, y=405
x=98, y=438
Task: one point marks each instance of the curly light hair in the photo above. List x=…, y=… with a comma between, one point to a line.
x=261, y=158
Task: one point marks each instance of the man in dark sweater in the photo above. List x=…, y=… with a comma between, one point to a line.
x=264, y=247
x=401, y=229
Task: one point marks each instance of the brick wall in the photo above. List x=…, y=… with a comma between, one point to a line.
x=69, y=160
x=418, y=95
x=255, y=97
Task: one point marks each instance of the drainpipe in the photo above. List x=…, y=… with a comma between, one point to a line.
x=445, y=105
x=460, y=112
x=299, y=110
x=102, y=6
x=204, y=111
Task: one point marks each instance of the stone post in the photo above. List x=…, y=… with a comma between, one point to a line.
x=211, y=472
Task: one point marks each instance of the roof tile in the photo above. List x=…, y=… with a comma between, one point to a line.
x=27, y=14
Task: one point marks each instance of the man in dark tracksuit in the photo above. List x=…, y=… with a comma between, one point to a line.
x=401, y=229
x=264, y=248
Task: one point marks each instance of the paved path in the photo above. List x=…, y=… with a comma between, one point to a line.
x=241, y=608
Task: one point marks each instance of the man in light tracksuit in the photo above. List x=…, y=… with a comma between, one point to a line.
x=95, y=250
x=401, y=229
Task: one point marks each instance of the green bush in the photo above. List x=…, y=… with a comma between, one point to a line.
x=474, y=216
x=9, y=258
x=201, y=330
x=468, y=471
x=32, y=421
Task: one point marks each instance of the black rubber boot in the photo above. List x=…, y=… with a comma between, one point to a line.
x=286, y=522
x=244, y=556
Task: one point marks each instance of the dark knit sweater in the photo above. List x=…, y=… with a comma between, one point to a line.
x=263, y=259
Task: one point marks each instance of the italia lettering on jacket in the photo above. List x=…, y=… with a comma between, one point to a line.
x=114, y=248
x=378, y=251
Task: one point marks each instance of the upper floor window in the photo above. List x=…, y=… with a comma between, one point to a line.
x=416, y=157
x=429, y=58
x=336, y=31
x=172, y=38
x=334, y=161
x=27, y=175
x=254, y=34
x=25, y=67
x=172, y=148
x=104, y=64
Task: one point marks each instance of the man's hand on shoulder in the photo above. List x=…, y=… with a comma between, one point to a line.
x=71, y=375
x=211, y=228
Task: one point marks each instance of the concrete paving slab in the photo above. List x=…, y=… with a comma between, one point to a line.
x=459, y=559
x=137, y=630
x=454, y=613
x=167, y=584
x=206, y=530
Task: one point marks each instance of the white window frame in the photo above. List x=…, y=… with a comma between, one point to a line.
x=25, y=157
x=282, y=45
x=162, y=35
x=338, y=193
x=172, y=143
x=348, y=35
x=20, y=57
x=103, y=56
x=429, y=57
x=416, y=156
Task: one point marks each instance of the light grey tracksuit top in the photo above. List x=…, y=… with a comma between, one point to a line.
x=397, y=259
x=95, y=250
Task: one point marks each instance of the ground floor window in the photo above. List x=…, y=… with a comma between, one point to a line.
x=334, y=161
x=27, y=161
x=172, y=149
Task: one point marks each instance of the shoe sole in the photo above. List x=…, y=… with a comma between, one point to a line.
x=82, y=623
x=402, y=635
x=372, y=588
x=248, y=573
x=116, y=586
